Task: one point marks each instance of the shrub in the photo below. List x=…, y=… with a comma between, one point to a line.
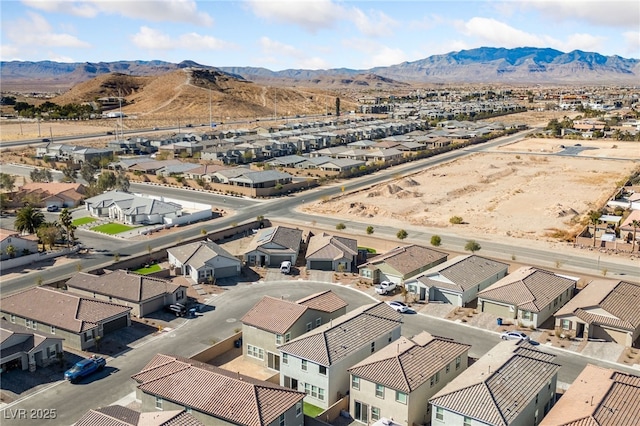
x=436, y=240
x=341, y=226
x=369, y=230
x=402, y=234
x=455, y=220
x=472, y=246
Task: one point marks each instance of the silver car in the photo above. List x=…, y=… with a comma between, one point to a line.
x=514, y=335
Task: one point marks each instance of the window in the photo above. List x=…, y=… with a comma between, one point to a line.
x=27, y=323
x=366, y=273
x=255, y=352
x=566, y=324
x=318, y=322
x=278, y=339
x=439, y=413
x=373, y=347
x=322, y=370
x=321, y=394
x=287, y=337
x=12, y=318
x=375, y=413
x=53, y=329
x=281, y=420
x=458, y=362
x=379, y=391
x=285, y=358
x=355, y=382
x=309, y=326
x=304, y=364
x=401, y=397
x=158, y=403
x=51, y=351
x=448, y=368
x=526, y=315
x=466, y=421
x=298, y=408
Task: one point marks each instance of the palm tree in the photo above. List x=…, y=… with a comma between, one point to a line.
x=594, y=219
x=28, y=220
x=66, y=221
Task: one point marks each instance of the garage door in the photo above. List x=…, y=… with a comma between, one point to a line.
x=277, y=260
x=439, y=296
x=496, y=309
x=620, y=337
x=115, y=324
x=321, y=265
x=227, y=271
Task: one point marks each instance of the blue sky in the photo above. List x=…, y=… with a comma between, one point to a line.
x=310, y=34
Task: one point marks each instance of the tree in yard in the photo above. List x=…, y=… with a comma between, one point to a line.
x=594, y=219
x=11, y=251
x=41, y=175
x=635, y=224
x=106, y=181
x=66, y=221
x=369, y=230
x=7, y=181
x=70, y=175
x=122, y=182
x=337, y=107
x=28, y=220
x=402, y=234
x=472, y=246
x=436, y=240
x=87, y=172
x=48, y=234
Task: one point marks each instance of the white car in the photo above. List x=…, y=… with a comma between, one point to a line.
x=398, y=306
x=514, y=335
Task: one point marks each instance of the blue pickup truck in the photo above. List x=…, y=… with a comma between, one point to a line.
x=85, y=368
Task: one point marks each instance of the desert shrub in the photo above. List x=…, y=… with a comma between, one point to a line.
x=456, y=220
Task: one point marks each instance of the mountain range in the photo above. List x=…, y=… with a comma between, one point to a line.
x=482, y=65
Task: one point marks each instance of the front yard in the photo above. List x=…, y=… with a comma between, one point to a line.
x=83, y=221
x=112, y=228
x=148, y=269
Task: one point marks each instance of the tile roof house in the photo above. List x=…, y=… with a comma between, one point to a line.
x=396, y=381
x=529, y=295
x=272, y=246
x=457, y=281
x=19, y=244
x=273, y=321
x=512, y=384
x=401, y=263
x=331, y=253
x=77, y=320
x=604, y=309
x=131, y=209
x=214, y=395
x=318, y=361
x=598, y=396
x=117, y=415
x=204, y=261
x=142, y=293
x=45, y=194
x=25, y=348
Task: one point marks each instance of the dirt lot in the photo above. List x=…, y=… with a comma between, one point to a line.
x=514, y=191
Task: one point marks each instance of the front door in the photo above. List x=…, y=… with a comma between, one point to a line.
x=273, y=361
x=362, y=412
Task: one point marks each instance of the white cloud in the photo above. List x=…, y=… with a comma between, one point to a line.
x=373, y=24
x=52, y=56
x=40, y=34
x=276, y=52
x=154, y=10
x=376, y=54
x=632, y=38
x=149, y=38
x=9, y=53
x=311, y=15
x=614, y=13
x=273, y=47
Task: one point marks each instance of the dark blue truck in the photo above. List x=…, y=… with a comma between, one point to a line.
x=85, y=368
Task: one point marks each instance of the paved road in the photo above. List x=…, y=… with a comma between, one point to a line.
x=72, y=401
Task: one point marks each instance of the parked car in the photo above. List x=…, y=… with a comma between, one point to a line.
x=385, y=287
x=514, y=335
x=178, y=309
x=398, y=306
x=52, y=208
x=85, y=368
x=285, y=267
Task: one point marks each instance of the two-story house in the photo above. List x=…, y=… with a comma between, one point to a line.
x=318, y=361
x=273, y=322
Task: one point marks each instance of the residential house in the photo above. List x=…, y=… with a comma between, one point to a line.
x=261, y=179
x=331, y=253
x=132, y=209
x=45, y=194
x=604, y=309
x=215, y=396
x=318, y=361
x=117, y=415
x=12, y=244
x=78, y=320
x=273, y=321
x=457, y=281
x=204, y=261
x=401, y=263
x=529, y=296
x=144, y=294
x=272, y=246
x=25, y=348
x=512, y=384
x=395, y=382
x=598, y=396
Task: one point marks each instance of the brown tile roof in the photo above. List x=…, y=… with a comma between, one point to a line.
x=199, y=253
x=405, y=364
x=329, y=343
x=407, y=259
x=117, y=415
x=462, y=272
x=598, y=396
x=53, y=188
x=325, y=246
x=219, y=393
x=326, y=301
x=122, y=284
x=274, y=315
x=529, y=288
x=492, y=389
x=63, y=310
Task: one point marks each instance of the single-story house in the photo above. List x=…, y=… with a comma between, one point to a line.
x=204, y=260
x=401, y=263
x=78, y=320
x=12, y=244
x=117, y=415
x=457, y=281
x=45, y=194
x=25, y=348
x=529, y=295
x=132, y=209
x=604, y=309
x=142, y=293
x=331, y=253
x=272, y=246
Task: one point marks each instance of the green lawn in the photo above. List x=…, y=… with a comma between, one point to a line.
x=311, y=410
x=112, y=228
x=150, y=270
x=83, y=221
x=368, y=249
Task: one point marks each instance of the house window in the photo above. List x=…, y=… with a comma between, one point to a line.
x=285, y=358
x=12, y=318
x=466, y=421
x=287, y=337
x=375, y=413
x=373, y=347
x=158, y=403
x=27, y=323
x=355, y=382
x=51, y=351
x=448, y=368
x=322, y=370
x=53, y=329
x=318, y=322
x=298, y=408
x=439, y=413
x=321, y=394
x=309, y=326
x=527, y=315
x=401, y=397
x=281, y=420
x=458, y=362
x=304, y=364
x=366, y=273
x=255, y=352
x=566, y=324
x=379, y=391
x=278, y=339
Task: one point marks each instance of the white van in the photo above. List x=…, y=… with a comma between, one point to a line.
x=285, y=267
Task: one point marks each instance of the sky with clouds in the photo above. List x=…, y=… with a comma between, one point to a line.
x=309, y=34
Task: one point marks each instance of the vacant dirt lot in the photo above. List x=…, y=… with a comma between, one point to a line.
x=515, y=191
